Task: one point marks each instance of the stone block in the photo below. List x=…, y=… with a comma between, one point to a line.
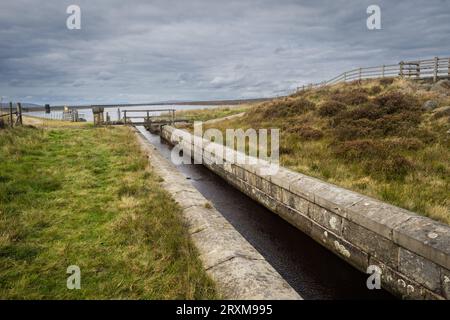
x=334, y=198
x=251, y=178
x=377, y=216
x=400, y=285
x=266, y=186
x=325, y=218
x=445, y=283
x=425, y=237
x=295, y=218
x=269, y=202
x=275, y=191
x=304, y=187
x=196, y=219
x=342, y=248
x=174, y=187
x=250, y=281
x=239, y=172
x=283, y=178
x=295, y=202
x=187, y=199
x=227, y=245
x=420, y=269
x=372, y=243
x=228, y=167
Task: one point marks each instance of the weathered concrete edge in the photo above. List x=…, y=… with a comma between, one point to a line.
x=239, y=271
x=412, y=251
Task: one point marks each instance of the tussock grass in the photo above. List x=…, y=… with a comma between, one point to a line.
x=372, y=137
x=85, y=196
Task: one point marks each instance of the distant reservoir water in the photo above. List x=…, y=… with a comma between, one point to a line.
x=114, y=112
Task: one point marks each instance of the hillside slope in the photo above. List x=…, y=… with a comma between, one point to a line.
x=386, y=138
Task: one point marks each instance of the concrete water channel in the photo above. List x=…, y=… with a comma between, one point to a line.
x=313, y=271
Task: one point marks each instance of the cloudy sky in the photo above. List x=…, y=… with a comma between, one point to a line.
x=142, y=51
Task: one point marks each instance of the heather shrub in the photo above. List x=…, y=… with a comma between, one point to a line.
x=386, y=81
x=330, y=108
x=351, y=97
x=391, y=114
x=306, y=132
x=358, y=149
x=287, y=108
x=375, y=90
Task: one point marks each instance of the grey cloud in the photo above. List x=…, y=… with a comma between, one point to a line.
x=133, y=51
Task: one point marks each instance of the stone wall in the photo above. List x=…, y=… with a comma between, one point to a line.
x=412, y=251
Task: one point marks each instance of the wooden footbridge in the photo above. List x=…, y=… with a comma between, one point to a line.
x=152, y=119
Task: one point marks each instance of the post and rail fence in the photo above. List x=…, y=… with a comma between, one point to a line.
x=435, y=69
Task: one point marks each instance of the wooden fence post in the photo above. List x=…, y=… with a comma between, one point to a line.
x=125, y=117
x=11, y=114
x=435, y=71
x=359, y=74
x=345, y=76
x=383, y=70
x=401, y=68
x=19, y=113
x=448, y=72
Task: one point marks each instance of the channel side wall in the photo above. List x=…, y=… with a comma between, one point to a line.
x=412, y=251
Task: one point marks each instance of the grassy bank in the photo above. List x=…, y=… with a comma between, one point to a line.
x=374, y=138
x=85, y=196
x=212, y=113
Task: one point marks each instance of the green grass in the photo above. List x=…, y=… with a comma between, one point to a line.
x=85, y=196
x=372, y=137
